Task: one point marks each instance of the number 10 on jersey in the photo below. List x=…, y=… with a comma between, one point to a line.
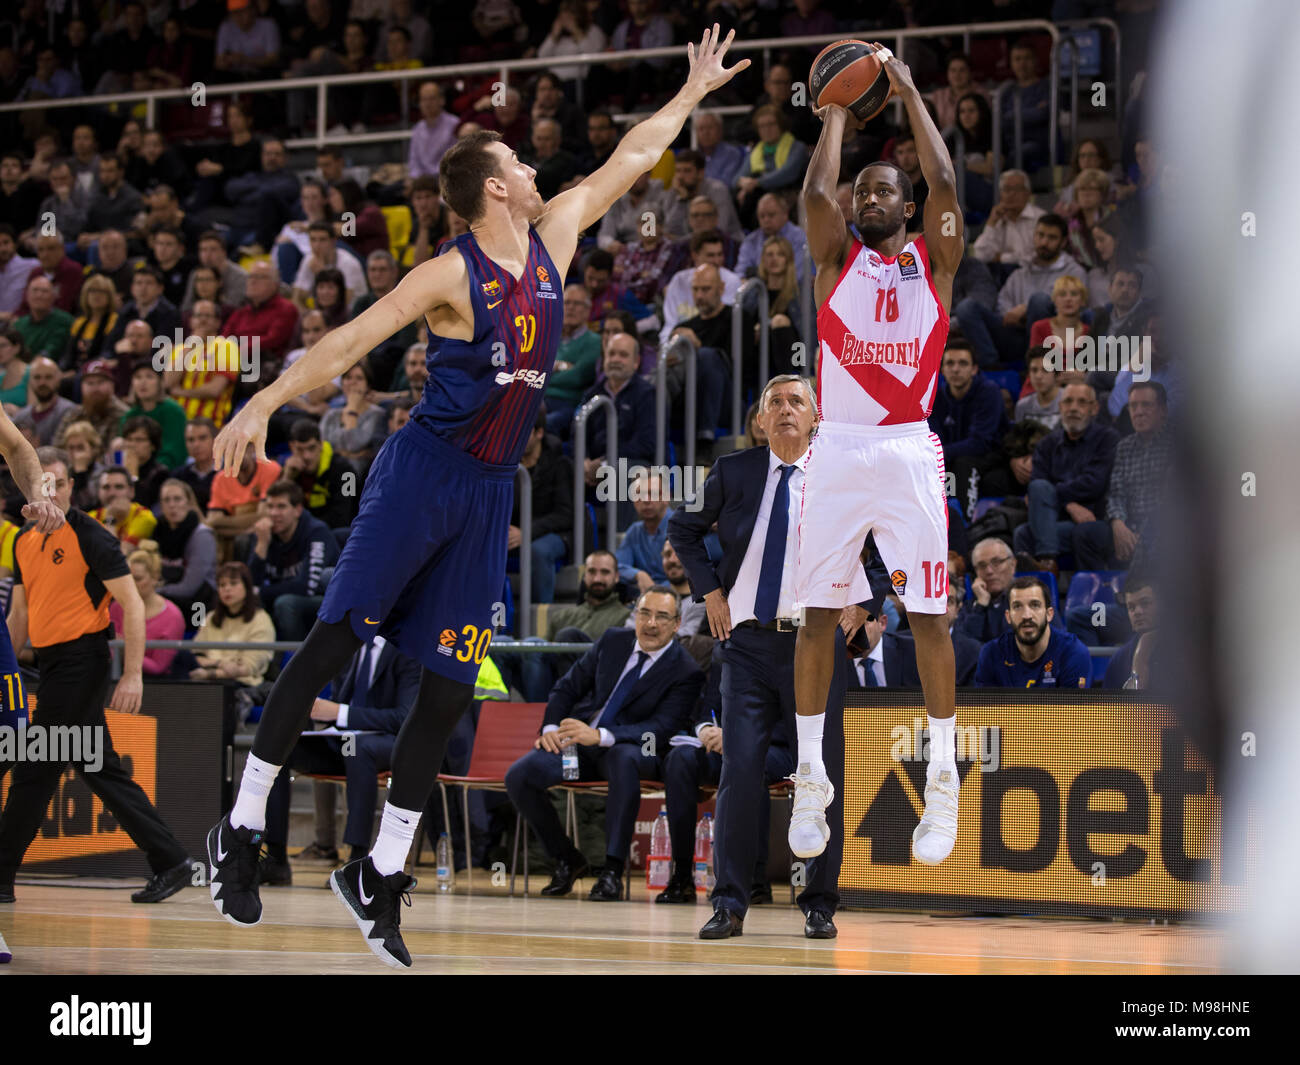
x=936, y=579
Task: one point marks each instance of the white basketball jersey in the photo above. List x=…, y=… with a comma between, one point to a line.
x=882, y=333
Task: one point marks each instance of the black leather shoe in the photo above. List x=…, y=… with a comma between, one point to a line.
x=563, y=877
x=723, y=925
x=607, y=888
x=818, y=925
x=760, y=895
x=6, y=893
x=677, y=893
x=275, y=873
x=165, y=884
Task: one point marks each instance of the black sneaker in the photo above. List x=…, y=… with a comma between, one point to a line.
x=375, y=903
x=165, y=884
x=275, y=872
x=7, y=891
x=233, y=855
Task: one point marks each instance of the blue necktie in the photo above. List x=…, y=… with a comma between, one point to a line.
x=622, y=690
x=361, y=681
x=769, y=575
x=869, y=672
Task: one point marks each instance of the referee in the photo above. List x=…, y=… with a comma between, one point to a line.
x=62, y=584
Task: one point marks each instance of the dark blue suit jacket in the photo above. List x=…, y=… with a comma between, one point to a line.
x=392, y=694
x=661, y=701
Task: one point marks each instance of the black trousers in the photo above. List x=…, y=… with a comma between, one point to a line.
x=757, y=692
x=73, y=679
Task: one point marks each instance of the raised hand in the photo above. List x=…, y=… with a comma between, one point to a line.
x=900, y=77
x=247, y=427
x=707, y=72
x=45, y=513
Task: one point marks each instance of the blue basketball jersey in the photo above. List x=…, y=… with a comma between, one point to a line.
x=482, y=395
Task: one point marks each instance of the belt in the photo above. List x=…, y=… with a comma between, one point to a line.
x=775, y=625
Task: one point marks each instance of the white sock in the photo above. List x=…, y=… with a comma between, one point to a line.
x=396, y=834
x=250, y=804
x=943, y=743
x=810, y=728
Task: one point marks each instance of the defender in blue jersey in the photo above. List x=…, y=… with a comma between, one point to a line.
x=425, y=561
x=1032, y=654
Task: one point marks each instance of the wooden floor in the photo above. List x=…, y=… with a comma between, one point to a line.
x=75, y=928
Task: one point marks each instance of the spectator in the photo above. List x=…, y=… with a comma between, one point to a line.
x=1091, y=154
x=1124, y=315
x=358, y=222
x=49, y=81
x=508, y=118
x=204, y=386
x=622, y=222
x=701, y=217
x=237, y=617
x=1031, y=653
x=947, y=99
x=248, y=45
x=421, y=33
x=433, y=134
x=47, y=408
x=549, y=102
x=1008, y=235
x=773, y=221
x=327, y=479
x=602, y=139
x=550, y=472
x=1129, y=667
x=969, y=419
x=126, y=519
x=695, y=617
x=44, y=328
x=710, y=331
x=778, y=91
x=634, y=398
x=262, y=199
x=316, y=402
x=1072, y=465
x=150, y=402
x=431, y=220
x=777, y=161
x=679, y=300
x=90, y=329
x=187, y=547
x=164, y=209
x=966, y=651
x=1043, y=404
x=162, y=618
x=136, y=345
x=576, y=362
x=99, y=405
x=641, y=29
x=606, y=296
x=139, y=444
x=265, y=318
x=15, y=272
x=127, y=50
x=722, y=159
x=905, y=157
x=983, y=617
x=59, y=270
x=1070, y=299
x=325, y=254
x=199, y=469
x=148, y=304
x=85, y=158
x=689, y=182
x=785, y=324
x=157, y=166
x=572, y=33
x=1160, y=368
x=171, y=60
x=15, y=368
x=236, y=496
x=232, y=277
x=1138, y=478
x=554, y=164
x=84, y=446
x=331, y=169
x=113, y=205
x=290, y=553
x=67, y=202
x=1002, y=335
x=241, y=154
x=20, y=197
x=114, y=264
x=358, y=427
x=641, y=266
x=167, y=255
x=385, y=359
x=599, y=607
x=1087, y=211
x=880, y=659
x=640, y=556
x=1033, y=94
x=330, y=297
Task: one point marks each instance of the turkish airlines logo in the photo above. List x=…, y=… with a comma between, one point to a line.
x=859, y=352
x=532, y=378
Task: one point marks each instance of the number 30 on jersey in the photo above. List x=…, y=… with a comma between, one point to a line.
x=527, y=325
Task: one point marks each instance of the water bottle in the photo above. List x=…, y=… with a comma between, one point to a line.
x=444, y=863
x=704, y=879
x=661, y=852
x=569, y=761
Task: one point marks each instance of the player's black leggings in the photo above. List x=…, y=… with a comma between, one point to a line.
x=422, y=742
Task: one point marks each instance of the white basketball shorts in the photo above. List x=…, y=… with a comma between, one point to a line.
x=886, y=479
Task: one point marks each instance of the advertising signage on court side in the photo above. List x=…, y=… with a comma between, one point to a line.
x=1080, y=804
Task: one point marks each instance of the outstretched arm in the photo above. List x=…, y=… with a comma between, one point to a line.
x=571, y=212
x=21, y=459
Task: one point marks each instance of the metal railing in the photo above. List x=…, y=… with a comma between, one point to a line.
x=1068, y=44
x=690, y=416
x=738, y=347
x=580, y=417
x=524, y=612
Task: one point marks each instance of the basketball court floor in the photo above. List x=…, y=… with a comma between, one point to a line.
x=89, y=927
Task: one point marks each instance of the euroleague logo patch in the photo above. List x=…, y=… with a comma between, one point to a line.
x=446, y=642
x=899, y=580
x=907, y=265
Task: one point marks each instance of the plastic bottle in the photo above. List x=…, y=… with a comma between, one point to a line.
x=704, y=879
x=445, y=875
x=661, y=852
x=569, y=761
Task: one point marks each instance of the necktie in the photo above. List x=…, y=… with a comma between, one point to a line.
x=361, y=680
x=867, y=674
x=609, y=716
x=769, y=574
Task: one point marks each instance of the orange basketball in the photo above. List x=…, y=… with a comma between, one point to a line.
x=849, y=74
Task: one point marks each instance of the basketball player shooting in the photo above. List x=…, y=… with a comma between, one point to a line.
x=882, y=320
x=425, y=561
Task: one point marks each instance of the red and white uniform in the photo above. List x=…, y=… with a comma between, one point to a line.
x=875, y=466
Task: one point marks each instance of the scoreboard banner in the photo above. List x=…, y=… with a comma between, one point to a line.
x=1072, y=804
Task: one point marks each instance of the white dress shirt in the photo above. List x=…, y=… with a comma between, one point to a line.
x=606, y=737
x=376, y=649
x=745, y=590
x=876, y=661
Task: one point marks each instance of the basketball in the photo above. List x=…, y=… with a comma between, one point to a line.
x=849, y=74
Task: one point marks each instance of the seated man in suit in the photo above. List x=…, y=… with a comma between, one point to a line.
x=689, y=766
x=374, y=694
x=966, y=651
x=880, y=659
x=633, y=685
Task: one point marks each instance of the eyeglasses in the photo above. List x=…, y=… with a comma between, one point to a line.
x=662, y=618
x=981, y=567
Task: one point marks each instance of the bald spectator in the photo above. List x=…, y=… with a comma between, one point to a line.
x=65, y=275
x=722, y=158
x=679, y=299
x=135, y=345
x=114, y=263
x=689, y=182
x=433, y=134
x=554, y=165
x=773, y=220
x=622, y=222
x=47, y=407
x=709, y=329
x=44, y=328
x=113, y=205
x=265, y=317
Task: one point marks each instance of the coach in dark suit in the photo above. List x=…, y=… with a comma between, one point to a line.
x=374, y=694
x=880, y=659
x=633, y=685
x=754, y=497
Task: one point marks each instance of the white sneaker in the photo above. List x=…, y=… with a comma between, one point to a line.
x=809, y=833
x=933, y=838
x=4, y=951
